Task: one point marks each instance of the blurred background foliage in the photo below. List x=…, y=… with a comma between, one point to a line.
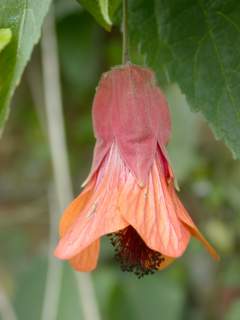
x=194, y=287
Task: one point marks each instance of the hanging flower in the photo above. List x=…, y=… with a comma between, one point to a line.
x=129, y=194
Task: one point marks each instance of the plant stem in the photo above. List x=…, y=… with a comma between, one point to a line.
x=125, y=44
x=6, y=310
x=62, y=178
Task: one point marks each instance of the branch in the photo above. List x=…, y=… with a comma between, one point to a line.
x=6, y=309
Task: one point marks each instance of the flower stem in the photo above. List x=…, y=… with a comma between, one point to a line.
x=62, y=178
x=125, y=44
x=6, y=309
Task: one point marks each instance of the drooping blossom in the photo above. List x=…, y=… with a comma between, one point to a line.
x=129, y=194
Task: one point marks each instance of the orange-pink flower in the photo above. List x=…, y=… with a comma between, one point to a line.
x=129, y=194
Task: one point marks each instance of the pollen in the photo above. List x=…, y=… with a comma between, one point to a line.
x=133, y=254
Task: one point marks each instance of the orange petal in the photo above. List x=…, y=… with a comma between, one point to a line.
x=151, y=211
x=74, y=209
x=186, y=219
x=100, y=214
x=87, y=259
x=166, y=263
x=98, y=218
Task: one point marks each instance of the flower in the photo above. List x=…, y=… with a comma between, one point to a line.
x=129, y=194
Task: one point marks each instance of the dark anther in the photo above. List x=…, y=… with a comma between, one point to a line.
x=133, y=254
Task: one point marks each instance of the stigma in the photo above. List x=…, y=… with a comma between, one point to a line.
x=133, y=254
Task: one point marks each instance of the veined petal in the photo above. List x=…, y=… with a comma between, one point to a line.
x=100, y=215
x=87, y=259
x=151, y=211
x=75, y=208
x=187, y=220
x=130, y=109
x=101, y=150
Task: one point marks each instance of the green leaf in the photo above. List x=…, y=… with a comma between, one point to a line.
x=25, y=19
x=197, y=45
x=78, y=55
x=102, y=10
x=5, y=37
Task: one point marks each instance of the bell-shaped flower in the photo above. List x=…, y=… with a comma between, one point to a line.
x=129, y=194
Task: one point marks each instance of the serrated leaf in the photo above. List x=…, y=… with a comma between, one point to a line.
x=101, y=10
x=197, y=44
x=24, y=18
x=5, y=37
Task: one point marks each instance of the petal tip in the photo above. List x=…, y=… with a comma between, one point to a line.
x=60, y=252
x=214, y=254
x=84, y=269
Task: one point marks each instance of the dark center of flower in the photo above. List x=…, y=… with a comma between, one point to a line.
x=133, y=254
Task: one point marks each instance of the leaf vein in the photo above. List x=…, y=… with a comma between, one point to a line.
x=221, y=65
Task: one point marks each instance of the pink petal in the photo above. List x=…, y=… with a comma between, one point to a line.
x=130, y=109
